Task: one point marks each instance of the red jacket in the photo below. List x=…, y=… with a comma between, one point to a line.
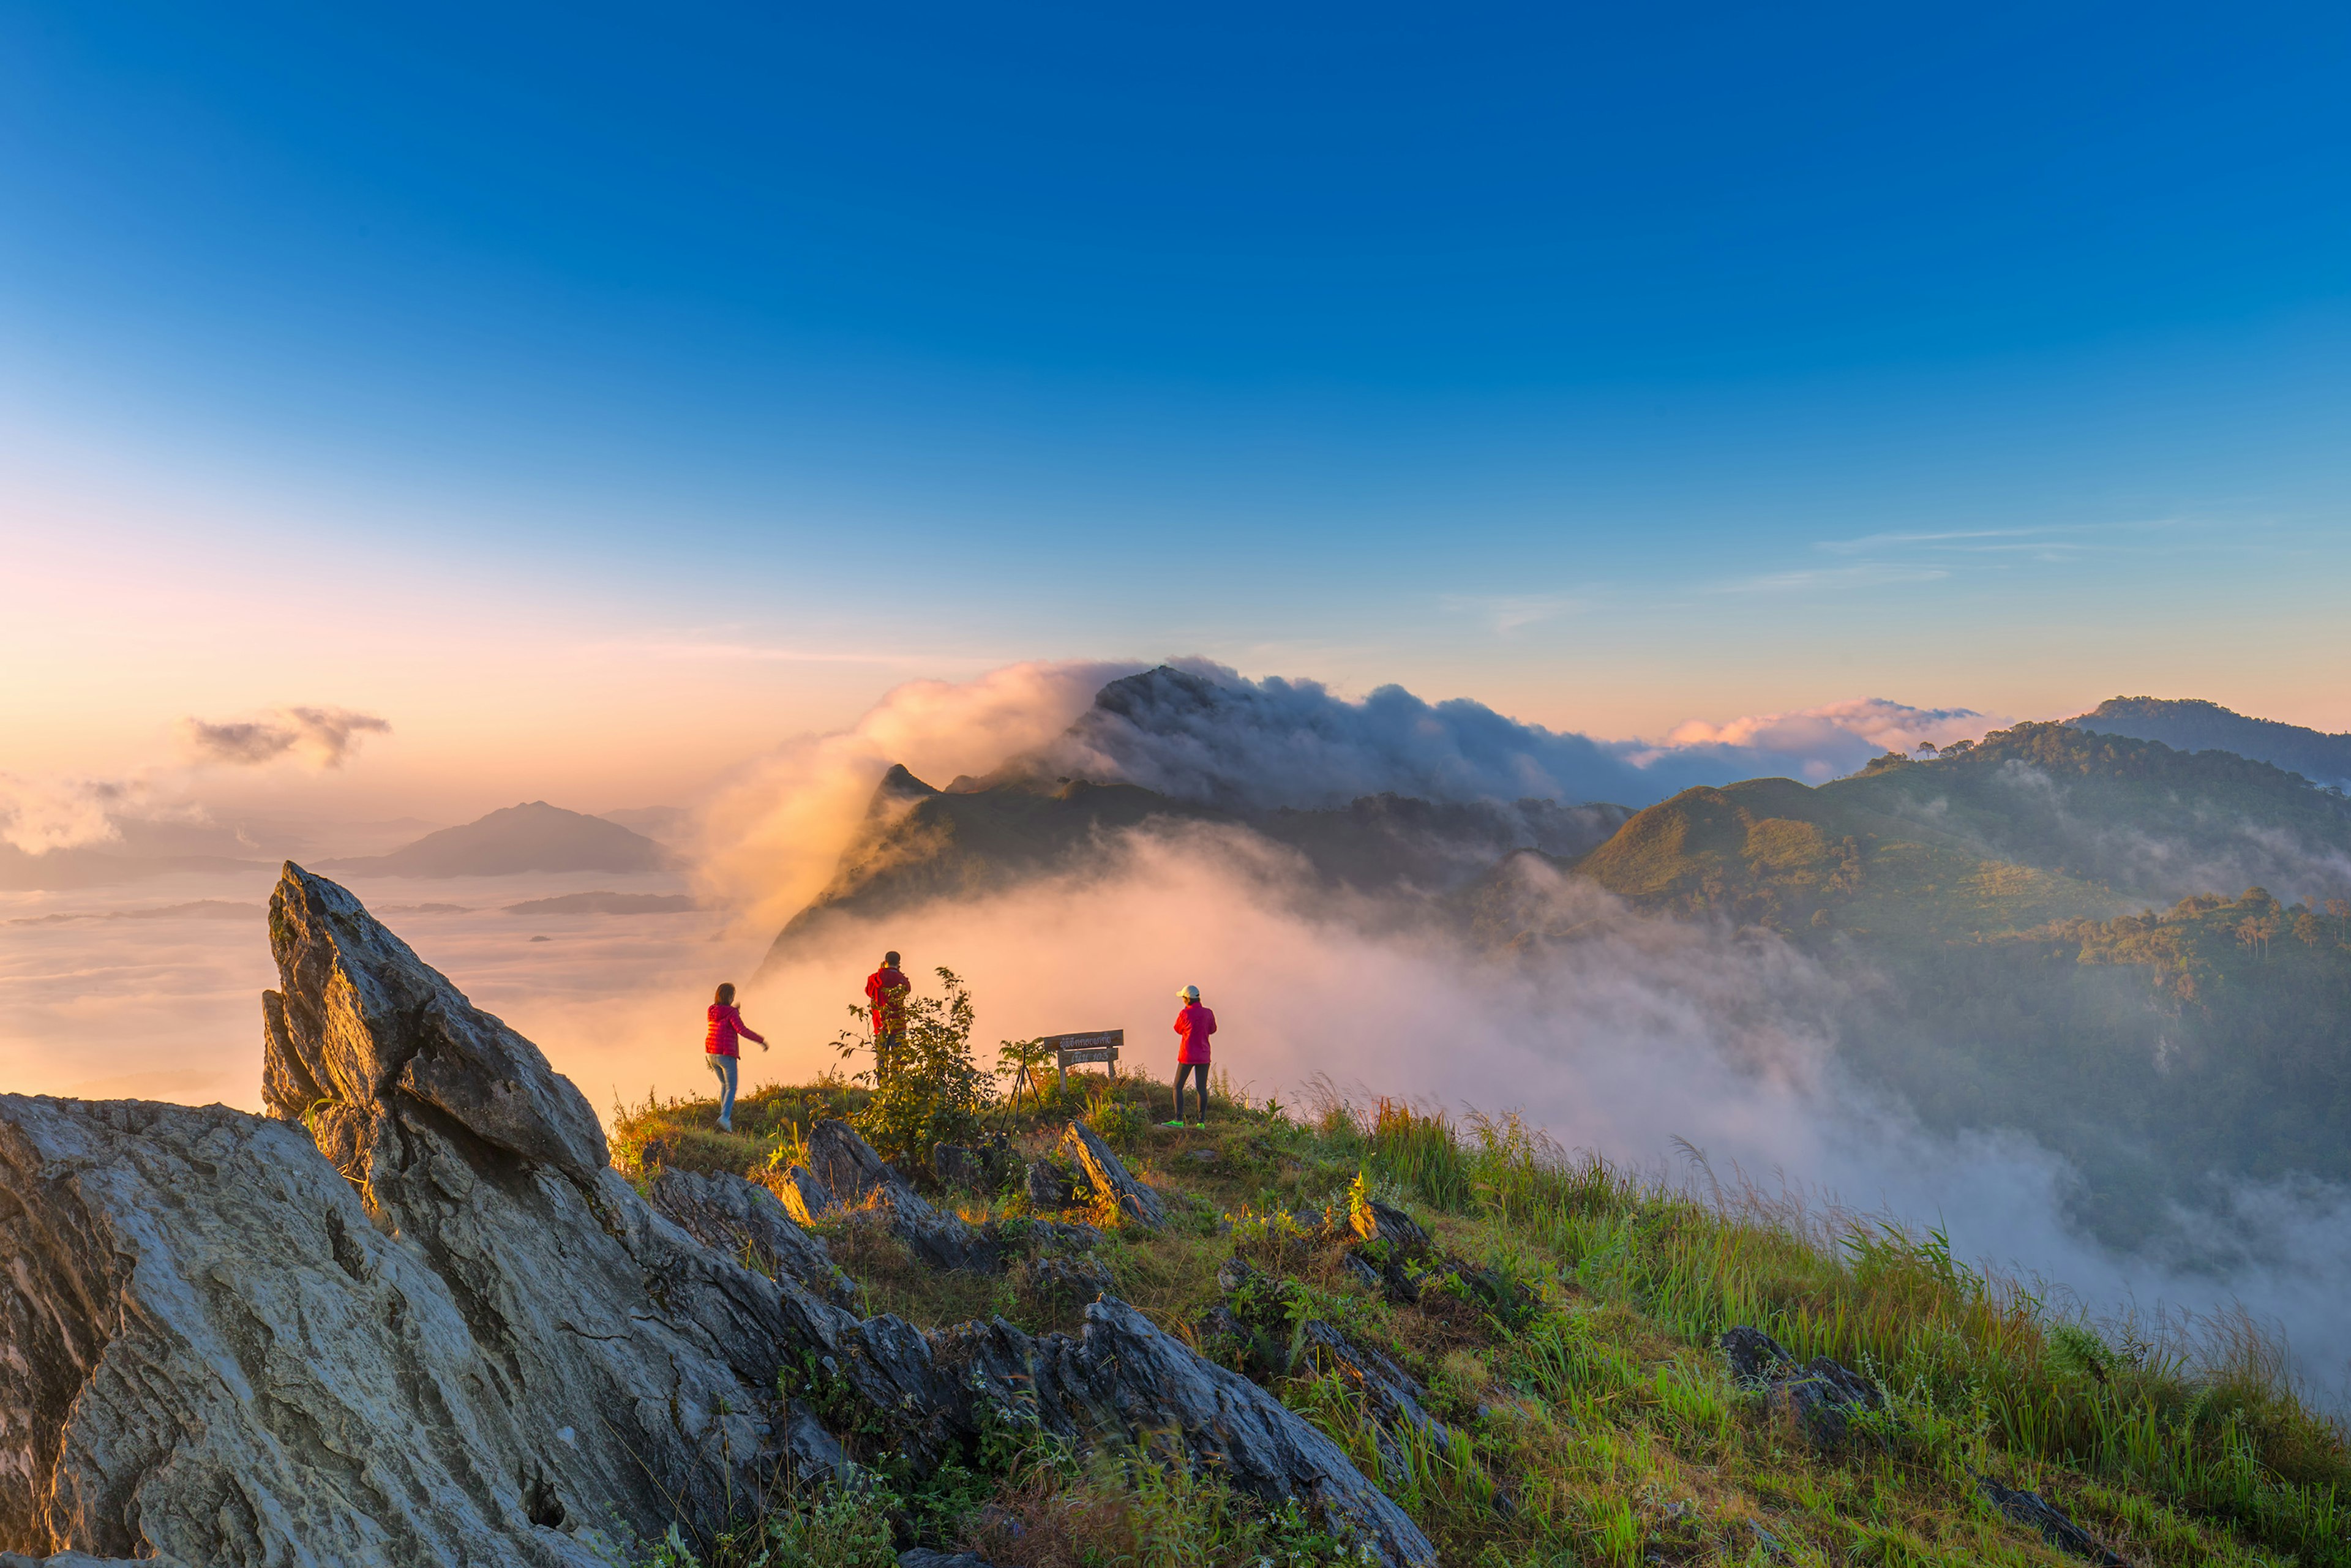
x=726, y=1023
x=1195, y=1024
x=889, y=1011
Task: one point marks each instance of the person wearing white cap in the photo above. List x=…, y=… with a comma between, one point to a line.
x=1193, y=1024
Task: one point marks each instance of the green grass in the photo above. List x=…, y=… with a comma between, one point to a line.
x=1597, y=1423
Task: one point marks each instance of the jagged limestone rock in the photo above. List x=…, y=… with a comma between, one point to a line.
x=1049, y=1186
x=856, y=1174
x=1255, y=1321
x=804, y=1197
x=472, y=1343
x=722, y=1211
x=1124, y=1379
x=219, y=1358
x=428, y=1325
x=1108, y=1175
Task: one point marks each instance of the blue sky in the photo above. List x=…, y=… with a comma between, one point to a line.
x=1615, y=365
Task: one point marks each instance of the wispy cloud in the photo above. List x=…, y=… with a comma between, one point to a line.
x=1866, y=574
x=1963, y=537
x=1506, y=612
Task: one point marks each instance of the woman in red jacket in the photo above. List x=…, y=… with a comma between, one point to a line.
x=718, y=1049
x=1193, y=1024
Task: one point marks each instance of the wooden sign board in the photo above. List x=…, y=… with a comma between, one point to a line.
x=1100, y=1045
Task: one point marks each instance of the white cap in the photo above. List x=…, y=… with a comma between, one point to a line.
x=1188, y=994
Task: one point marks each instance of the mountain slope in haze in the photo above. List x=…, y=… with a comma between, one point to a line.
x=533, y=836
x=1993, y=916
x=2031, y=824
x=919, y=844
x=2192, y=725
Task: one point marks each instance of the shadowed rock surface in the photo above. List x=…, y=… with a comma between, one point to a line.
x=2034, y=1511
x=724, y=1212
x=1821, y=1394
x=855, y=1175
x=1083, y=1145
x=446, y=1332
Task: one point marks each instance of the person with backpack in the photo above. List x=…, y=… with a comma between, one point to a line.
x=718, y=1049
x=1193, y=1024
x=885, y=1006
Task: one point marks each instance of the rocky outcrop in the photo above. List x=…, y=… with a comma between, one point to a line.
x=1255, y=1321
x=1108, y=1175
x=857, y=1176
x=415, y=1318
x=1382, y=1223
x=804, y=1197
x=1125, y=1379
x=1049, y=1186
x=746, y=1222
x=426, y=1324
x=1822, y=1396
x=2034, y=1511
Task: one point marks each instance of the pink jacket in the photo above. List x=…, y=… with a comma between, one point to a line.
x=1195, y=1024
x=726, y=1023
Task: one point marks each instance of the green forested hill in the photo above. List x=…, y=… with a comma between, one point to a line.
x=2151, y=822
x=1995, y=912
x=2188, y=725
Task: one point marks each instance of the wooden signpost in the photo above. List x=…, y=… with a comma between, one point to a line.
x=1102, y=1045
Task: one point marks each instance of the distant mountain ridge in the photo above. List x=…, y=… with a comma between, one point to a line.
x=532, y=836
x=2193, y=725
x=1988, y=915
x=919, y=843
x=2038, y=931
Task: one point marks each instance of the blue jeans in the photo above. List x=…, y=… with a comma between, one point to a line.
x=1199, y=1087
x=725, y=1067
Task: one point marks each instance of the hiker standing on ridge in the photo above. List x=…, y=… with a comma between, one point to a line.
x=718, y=1049
x=1193, y=1024
x=886, y=1004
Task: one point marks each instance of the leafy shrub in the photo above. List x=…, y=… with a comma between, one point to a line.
x=933, y=1091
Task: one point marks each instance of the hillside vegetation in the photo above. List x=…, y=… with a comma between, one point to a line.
x=2188, y=725
x=1564, y=1331
x=1995, y=914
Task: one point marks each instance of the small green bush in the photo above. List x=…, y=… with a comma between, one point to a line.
x=932, y=1092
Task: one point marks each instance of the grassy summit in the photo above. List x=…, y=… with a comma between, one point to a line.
x=1566, y=1332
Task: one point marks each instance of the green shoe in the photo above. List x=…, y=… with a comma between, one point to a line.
x=1202, y=1125
x=1171, y=1123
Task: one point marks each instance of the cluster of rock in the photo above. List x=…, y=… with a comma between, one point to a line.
x=415, y=1317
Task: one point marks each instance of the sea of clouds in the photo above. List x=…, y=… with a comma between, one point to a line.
x=1634, y=1035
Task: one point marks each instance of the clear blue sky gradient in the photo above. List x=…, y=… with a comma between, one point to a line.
x=1470, y=339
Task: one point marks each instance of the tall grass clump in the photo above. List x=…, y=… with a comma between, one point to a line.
x=1415, y=1152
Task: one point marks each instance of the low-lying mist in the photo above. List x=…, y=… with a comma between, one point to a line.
x=1630, y=1034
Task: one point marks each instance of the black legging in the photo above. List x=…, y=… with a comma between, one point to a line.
x=1200, y=1087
